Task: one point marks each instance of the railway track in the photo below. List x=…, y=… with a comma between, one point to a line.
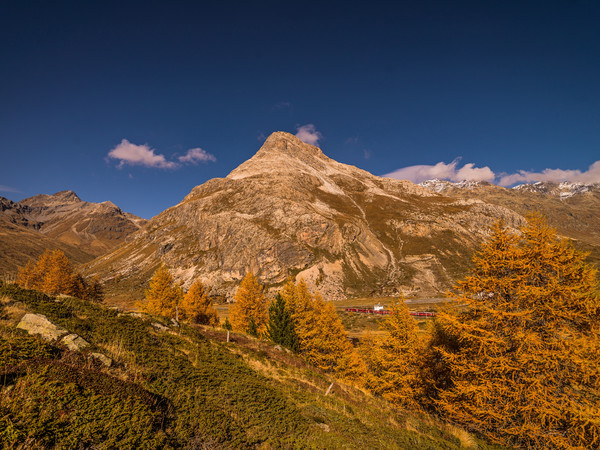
x=386, y=311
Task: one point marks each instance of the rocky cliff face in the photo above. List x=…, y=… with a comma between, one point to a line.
x=292, y=211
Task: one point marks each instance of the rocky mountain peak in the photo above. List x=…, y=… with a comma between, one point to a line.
x=67, y=196
x=91, y=228
x=282, y=142
x=439, y=186
x=109, y=204
x=291, y=210
x=45, y=200
x=282, y=152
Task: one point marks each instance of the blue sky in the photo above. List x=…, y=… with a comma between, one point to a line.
x=464, y=89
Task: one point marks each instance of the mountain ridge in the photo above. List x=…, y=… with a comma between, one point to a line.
x=83, y=230
x=292, y=211
x=572, y=208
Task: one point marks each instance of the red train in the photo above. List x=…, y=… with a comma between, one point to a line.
x=385, y=311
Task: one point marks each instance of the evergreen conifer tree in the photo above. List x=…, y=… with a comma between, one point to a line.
x=78, y=287
x=280, y=328
x=94, y=291
x=252, y=330
x=521, y=356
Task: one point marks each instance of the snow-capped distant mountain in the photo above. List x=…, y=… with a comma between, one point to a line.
x=562, y=190
x=438, y=185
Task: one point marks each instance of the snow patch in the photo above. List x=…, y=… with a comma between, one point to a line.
x=562, y=190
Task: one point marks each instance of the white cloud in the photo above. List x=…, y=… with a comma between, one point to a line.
x=142, y=155
x=282, y=105
x=139, y=155
x=308, y=133
x=592, y=175
x=443, y=171
x=8, y=189
x=196, y=155
x=469, y=172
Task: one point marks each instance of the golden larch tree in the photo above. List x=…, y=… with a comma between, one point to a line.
x=196, y=306
x=163, y=296
x=249, y=312
x=322, y=338
x=27, y=276
x=58, y=276
x=53, y=273
x=521, y=347
x=392, y=360
x=300, y=304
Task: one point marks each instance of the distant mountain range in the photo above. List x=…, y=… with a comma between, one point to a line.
x=83, y=230
x=573, y=208
x=292, y=211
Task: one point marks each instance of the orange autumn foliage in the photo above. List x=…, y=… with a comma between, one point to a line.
x=53, y=274
x=249, y=312
x=321, y=336
x=392, y=359
x=163, y=296
x=521, y=347
x=196, y=306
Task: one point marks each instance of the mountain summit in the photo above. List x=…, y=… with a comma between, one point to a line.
x=280, y=153
x=292, y=211
x=45, y=200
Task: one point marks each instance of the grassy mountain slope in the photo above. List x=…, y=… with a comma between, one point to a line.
x=182, y=388
x=82, y=230
x=19, y=244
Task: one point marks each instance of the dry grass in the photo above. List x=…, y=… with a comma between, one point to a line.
x=466, y=439
x=264, y=368
x=14, y=312
x=117, y=352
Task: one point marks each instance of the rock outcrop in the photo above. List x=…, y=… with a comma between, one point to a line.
x=38, y=324
x=102, y=358
x=74, y=342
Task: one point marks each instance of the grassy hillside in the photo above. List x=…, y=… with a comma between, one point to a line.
x=182, y=387
x=19, y=245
